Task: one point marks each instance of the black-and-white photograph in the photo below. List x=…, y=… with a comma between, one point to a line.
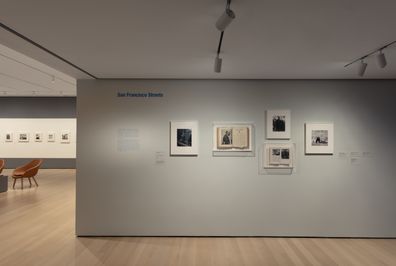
x=8, y=137
x=65, y=137
x=285, y=154
x=320, y=137
x=23, y=137
x=184, y=137
x=276, y=152
x=51, y=137
x=38, y=137
x=279, y=123
x=226, y=134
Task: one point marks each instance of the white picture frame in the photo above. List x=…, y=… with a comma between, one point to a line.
x=23, y=137
x=319, y=138
x=184, y=138
x=278, y=124
x=65, y=137
x=51, y=137
x=38, y=137
x=9, y=137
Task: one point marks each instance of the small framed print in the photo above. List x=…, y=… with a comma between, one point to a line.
x=319, y=138
x=38, y=137
x=278, y=124
x=9, y=137
x=51, y=137
x=184, y=138
x=65, y=137
x=23, y=137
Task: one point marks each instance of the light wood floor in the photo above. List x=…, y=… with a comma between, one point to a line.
x=37, y=228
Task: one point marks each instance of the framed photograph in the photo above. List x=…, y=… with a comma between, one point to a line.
x=232, y=136
x=9, y=137
x=319, y=138
x=65, y=137
x=23, y=137
x=51, y=137
x=184, y=138
x=278, y=124
x=38, y=137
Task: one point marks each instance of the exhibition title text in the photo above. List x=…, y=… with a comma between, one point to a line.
x=140, y=94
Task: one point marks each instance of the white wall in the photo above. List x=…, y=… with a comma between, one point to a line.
x=125, y=192
x=34, y=149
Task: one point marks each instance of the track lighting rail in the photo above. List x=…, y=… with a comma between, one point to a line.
x=220, y=42
x=371, y=53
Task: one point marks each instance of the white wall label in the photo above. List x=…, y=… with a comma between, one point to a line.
x=159, y=157
x=128, y=139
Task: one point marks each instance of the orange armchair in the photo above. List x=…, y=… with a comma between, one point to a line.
x=2, y=164
x=28, y=171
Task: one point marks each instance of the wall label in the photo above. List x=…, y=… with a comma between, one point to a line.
x=140, y=94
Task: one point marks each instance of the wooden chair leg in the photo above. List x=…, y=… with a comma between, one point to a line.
x=34, y=179
x=22, y=183
x=13, y=186
x=30, y=182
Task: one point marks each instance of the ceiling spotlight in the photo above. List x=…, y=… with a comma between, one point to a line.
x=381, y=60
x=225, y=19
x=221, y=24
x=362, y=68
x=217, y=64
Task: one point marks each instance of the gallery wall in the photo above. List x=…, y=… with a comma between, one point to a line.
x=128, y=184
x=38, y=108
x=49, y=142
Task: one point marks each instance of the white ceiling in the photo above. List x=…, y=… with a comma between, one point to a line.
x=285, y=39
x=23, y=76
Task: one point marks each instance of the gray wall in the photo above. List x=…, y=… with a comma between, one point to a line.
x=128, y=193
x=39, y=107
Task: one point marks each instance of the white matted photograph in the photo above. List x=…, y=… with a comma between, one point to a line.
x=184, y=138
x=9, y=137
x=23, y=137
x=319, y=138
x=38, y=137
x=51, y=137
x=65, y=137
x=278, y=124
